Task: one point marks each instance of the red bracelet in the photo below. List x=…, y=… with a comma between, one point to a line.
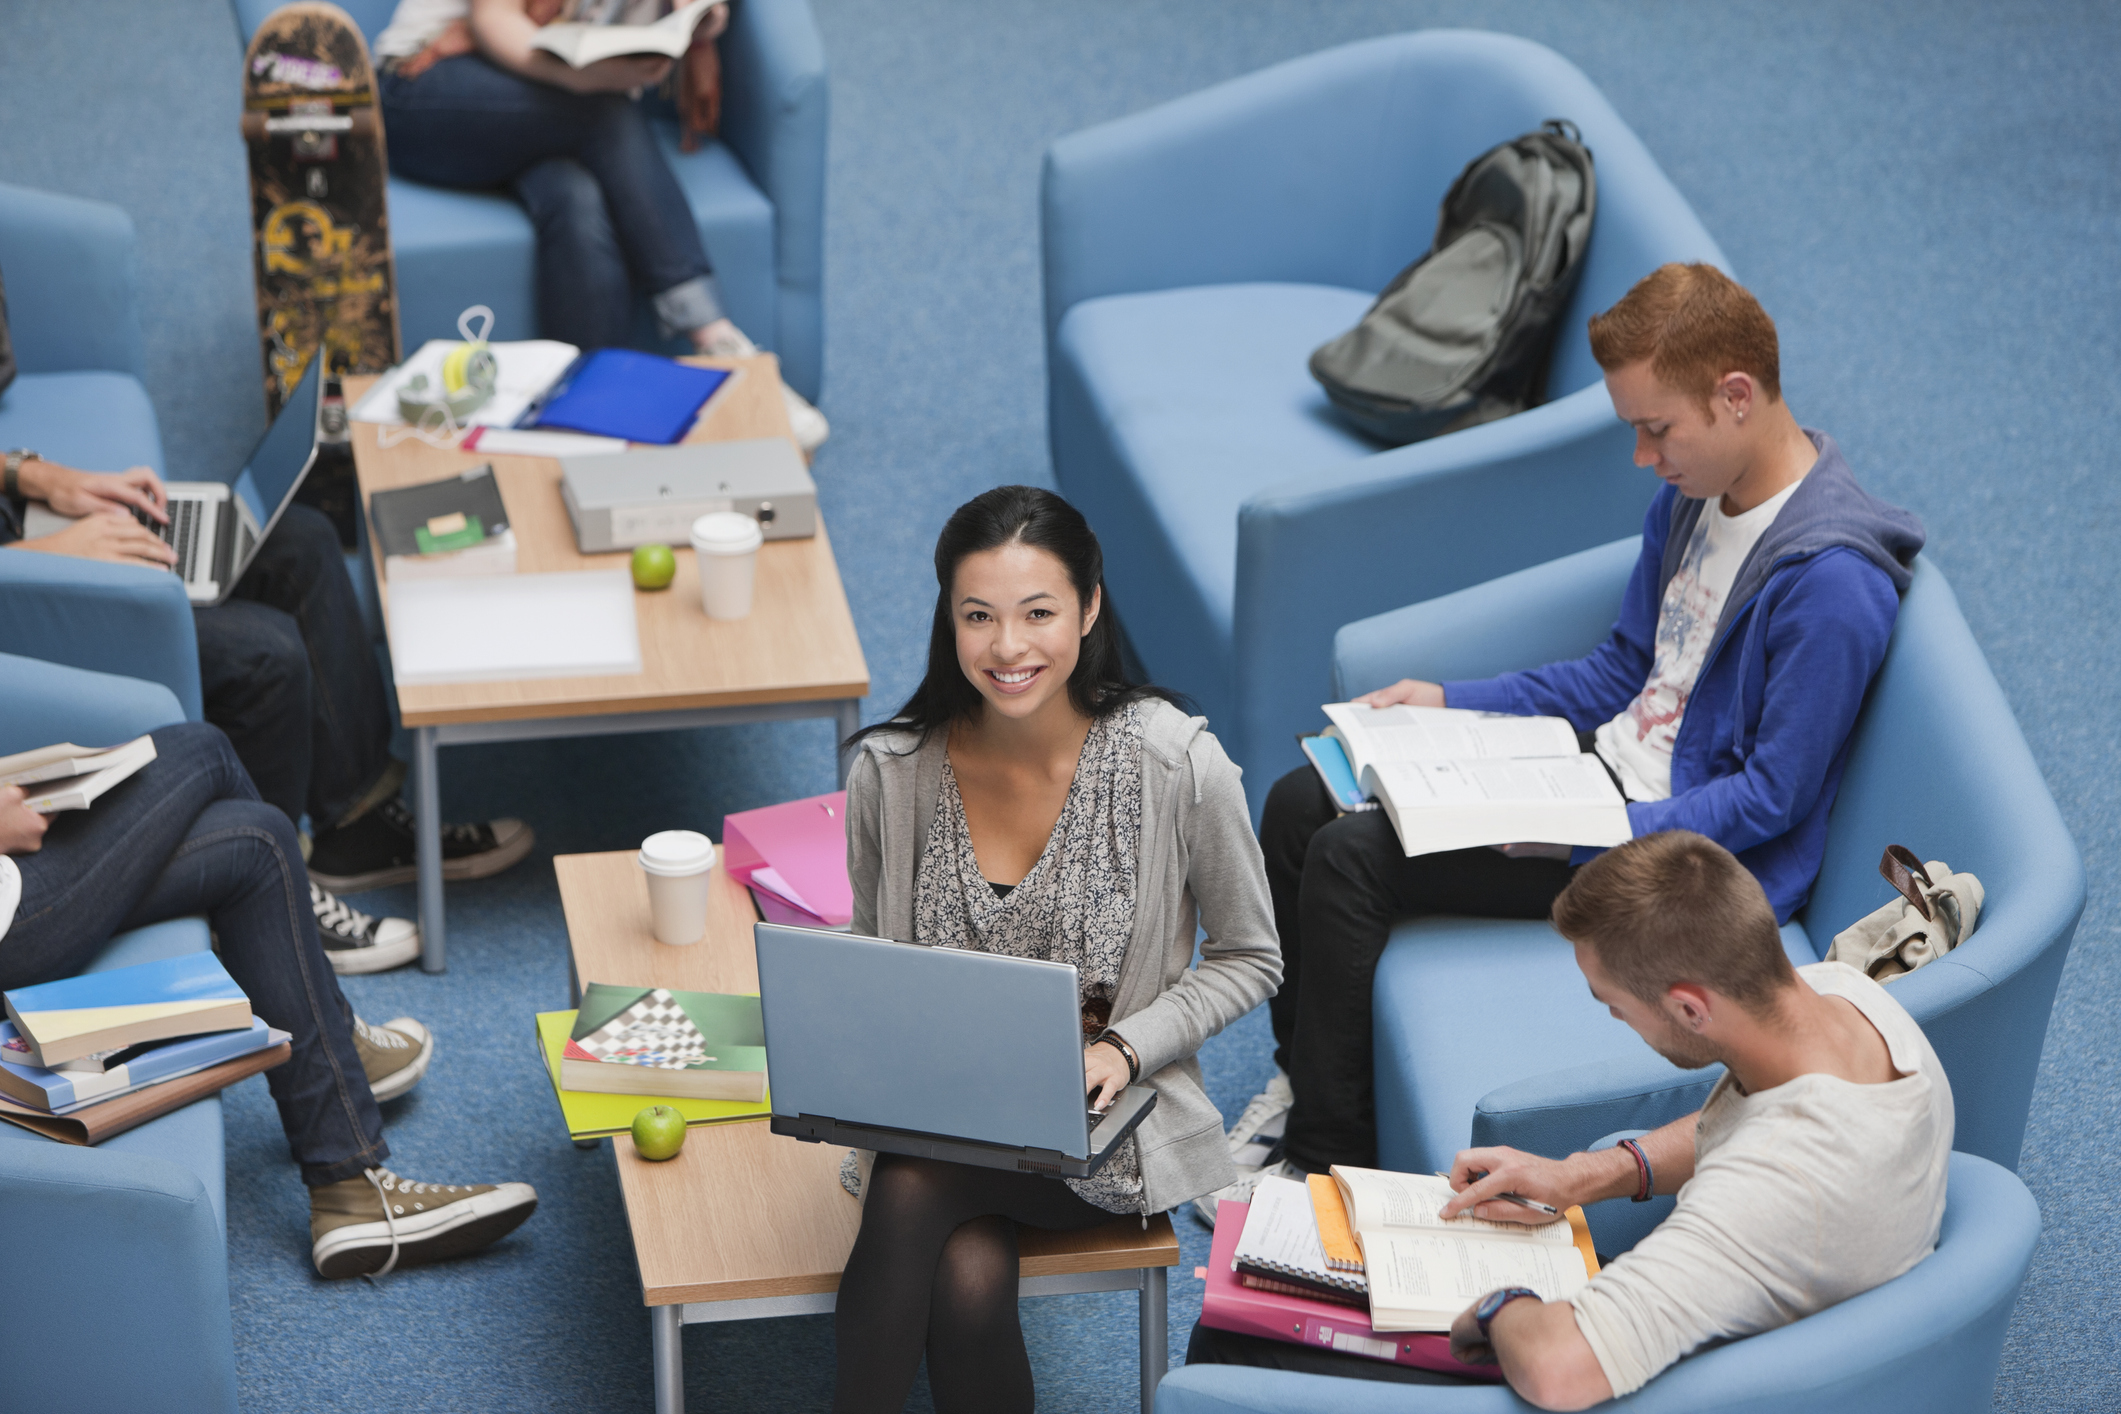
x=1645, y=1190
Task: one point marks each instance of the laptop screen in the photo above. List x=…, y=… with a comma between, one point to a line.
x=276, y=466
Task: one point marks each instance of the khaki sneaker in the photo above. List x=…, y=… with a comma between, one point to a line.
x=378, y=1222
x=394, y=1055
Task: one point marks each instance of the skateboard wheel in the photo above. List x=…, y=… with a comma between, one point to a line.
x=367, y=122
x=254, y=127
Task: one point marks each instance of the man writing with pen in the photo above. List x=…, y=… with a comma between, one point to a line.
x=1815, y=1171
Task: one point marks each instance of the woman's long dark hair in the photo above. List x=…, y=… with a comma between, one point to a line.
x=1031, y=516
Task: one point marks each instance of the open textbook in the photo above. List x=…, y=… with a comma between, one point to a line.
x=69, y=777
x=1422, y=1271
x=1452, y=779
x=584, y=44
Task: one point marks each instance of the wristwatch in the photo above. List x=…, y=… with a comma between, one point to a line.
x=10, y=482
x=1491, y=1306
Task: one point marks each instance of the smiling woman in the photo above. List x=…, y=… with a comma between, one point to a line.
x=1029, y=800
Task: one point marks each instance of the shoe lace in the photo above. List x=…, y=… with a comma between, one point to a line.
x=336, y=915
x=472, y=835
x=388, y=1221
x=381, y=1037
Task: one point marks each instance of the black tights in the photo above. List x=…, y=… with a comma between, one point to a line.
x=935, y=1263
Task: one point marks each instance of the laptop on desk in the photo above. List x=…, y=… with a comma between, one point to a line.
x=216, y=527
x=936, y=1052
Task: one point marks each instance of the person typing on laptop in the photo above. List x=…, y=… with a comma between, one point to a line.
x=287, y=672
x=1028, y=800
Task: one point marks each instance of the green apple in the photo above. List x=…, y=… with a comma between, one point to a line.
x=654, y=567
x=659, y=1130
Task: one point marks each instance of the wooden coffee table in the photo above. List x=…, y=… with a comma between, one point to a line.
x=745, y=1223
x=795, y=656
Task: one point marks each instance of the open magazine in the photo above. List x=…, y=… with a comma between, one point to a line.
x=1448, y=778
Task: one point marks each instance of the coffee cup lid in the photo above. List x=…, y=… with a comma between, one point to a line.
x=726, y=533
x=677, y=852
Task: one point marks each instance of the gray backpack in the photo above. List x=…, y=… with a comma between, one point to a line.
x=1464, y=334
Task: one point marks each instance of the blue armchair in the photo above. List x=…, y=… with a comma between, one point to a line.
x=1931, y=1339
x=1937, y=763
x=1194, y=256
x=758, y=194
x=133, y=1229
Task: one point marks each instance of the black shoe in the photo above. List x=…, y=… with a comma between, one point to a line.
x=356, y=942
x=377, y=850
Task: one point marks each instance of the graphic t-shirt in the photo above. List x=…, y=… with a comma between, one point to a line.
x=1637, y=744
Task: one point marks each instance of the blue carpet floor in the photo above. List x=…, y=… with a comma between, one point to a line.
x=1924, y=195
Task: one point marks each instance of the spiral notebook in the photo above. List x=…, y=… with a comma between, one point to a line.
x=1280, y=1243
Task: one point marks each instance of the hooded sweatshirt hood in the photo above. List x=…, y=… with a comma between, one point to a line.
x=1828, y=509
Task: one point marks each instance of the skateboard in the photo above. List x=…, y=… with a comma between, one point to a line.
x=320, y=218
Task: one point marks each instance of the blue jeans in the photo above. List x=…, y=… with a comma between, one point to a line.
x=188, y=835
x=287, y=671
x=608, y=212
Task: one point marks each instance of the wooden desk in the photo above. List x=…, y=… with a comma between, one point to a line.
x=796, y=655
x=745, y=1223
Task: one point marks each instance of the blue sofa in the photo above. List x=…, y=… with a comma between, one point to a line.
x=1929, y=1340
x=130, y=1235
x=758, y=194
x=1937, y=763
x=1194, y=256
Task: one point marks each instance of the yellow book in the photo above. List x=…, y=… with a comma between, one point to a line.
x=592, y=1116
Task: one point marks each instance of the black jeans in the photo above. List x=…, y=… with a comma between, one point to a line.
x=1338, y=885
x=608, y=211
x=289, y=674
x=187, y=835
x=1209, y=1346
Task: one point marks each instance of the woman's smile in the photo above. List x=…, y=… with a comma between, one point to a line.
x=1014, y=680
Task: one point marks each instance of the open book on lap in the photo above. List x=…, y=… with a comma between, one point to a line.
x=1452, y=779
x=584, y=44
x=69, y=777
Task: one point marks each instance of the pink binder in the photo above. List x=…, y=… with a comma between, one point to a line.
x=1230, y=1305
x=794, y=859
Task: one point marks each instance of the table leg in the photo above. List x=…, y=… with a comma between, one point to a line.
x=427, y=846
x=846, y=720
x=1156, y=1336
x=668, y=1326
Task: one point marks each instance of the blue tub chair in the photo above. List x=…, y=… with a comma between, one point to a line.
x=1929, y=1340
x=1937, y=763
x=1194, y=256
x=130, y=1235
x=758, y=194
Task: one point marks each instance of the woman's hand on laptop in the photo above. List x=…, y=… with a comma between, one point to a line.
x=109, y=534
x=1104, y=1073
x=1407, y=692
x=79, y=493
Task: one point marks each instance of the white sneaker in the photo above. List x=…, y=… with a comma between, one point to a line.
x=804, y=420
x=358, y=942
x=1241, y=1191
x=1263, y=1123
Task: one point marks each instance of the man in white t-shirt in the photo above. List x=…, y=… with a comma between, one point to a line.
x=1830, y=1091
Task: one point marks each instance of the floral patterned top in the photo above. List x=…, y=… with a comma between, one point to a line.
x=1075, y=906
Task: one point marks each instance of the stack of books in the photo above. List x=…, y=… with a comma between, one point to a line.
x=95, y=1055
x=1359, y=1261
x=701, y=1053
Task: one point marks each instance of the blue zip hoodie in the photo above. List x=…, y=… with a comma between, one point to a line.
x=1761, y=748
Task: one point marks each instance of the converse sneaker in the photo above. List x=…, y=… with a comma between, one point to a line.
x=394, y=1055
x=355, y=941
x=377, y=850
x=723, y=339
x=1241, y=1191
x=1262, y=1124
x=378, y=1222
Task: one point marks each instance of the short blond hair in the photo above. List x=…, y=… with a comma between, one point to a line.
x=1694, y=324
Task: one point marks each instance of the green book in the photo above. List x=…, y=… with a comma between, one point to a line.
x=589, y=1115
x=651, y=1041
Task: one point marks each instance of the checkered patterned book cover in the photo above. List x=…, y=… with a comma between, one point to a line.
x=654, y=1032
x=653, y=1028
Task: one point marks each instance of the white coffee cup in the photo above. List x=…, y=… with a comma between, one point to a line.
x=726, y=545
x=678, y=864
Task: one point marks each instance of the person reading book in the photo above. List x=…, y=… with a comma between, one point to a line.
x=287, y=671
x=187, y=835
x=1029, y=800
x=1757, y=613
x=1815, y=1171
x=472, y=100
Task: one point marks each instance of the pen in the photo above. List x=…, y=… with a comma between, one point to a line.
x=1518, y=1198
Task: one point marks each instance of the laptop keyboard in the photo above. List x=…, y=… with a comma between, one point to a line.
x=181, y=534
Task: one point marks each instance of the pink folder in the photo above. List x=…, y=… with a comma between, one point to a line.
x=794, y=859
x=1230, y=1305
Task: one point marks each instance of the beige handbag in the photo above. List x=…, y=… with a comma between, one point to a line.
x=1937, y=910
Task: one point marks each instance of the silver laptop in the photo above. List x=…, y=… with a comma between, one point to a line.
x=216, y=527
x=936, y=1052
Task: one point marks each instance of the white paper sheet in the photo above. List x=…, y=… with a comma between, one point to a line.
x=502, y=627
x=524, y=369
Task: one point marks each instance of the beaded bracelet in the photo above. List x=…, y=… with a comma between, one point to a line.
x=1649, y=1177
x=1134, y=1062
